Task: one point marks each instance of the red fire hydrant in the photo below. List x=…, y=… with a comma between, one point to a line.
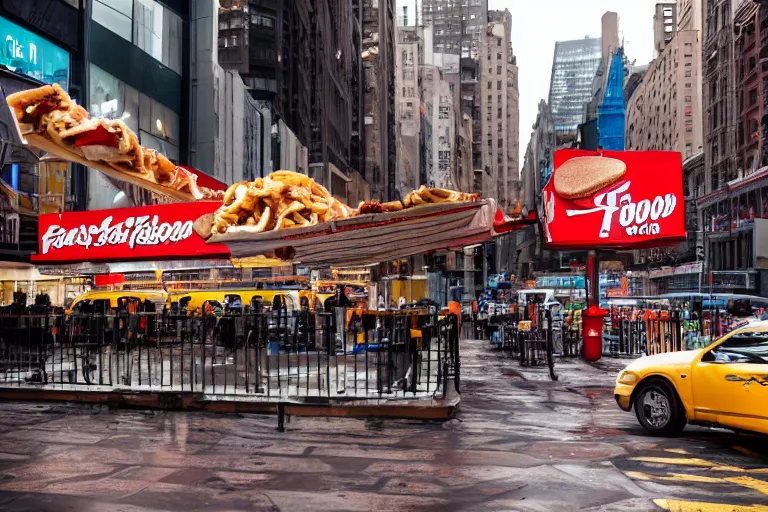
x=592, y=325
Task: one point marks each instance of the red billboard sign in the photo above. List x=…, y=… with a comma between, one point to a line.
x=613, y=200
x=159, y=232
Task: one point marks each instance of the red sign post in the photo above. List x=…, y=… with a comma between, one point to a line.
x=159, y=232
x=611, y=200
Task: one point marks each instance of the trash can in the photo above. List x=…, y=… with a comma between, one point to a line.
x=592, y=323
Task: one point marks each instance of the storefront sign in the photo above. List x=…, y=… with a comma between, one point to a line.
x=143, y=233
x=27, y=53
x=614, y=200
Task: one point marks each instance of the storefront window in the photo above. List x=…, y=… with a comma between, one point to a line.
x=147, y=24
x=156, y=125
x=29, y=54
x=764, y=203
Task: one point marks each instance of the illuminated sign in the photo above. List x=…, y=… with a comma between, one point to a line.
x=29, y=54
x=123, y=234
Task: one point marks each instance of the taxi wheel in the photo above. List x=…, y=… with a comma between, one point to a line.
x=658, y=409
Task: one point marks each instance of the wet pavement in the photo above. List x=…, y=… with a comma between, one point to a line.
x=519, y=442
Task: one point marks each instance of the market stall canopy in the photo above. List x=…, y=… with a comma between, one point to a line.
x=377, y=237
x=503, y=223
x=614, y=200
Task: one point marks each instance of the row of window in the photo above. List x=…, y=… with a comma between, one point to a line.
x=145, y=23
x=156, y=125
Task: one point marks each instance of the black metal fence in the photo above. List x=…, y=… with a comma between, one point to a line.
x=634, y=331
x=274, y=355
x=524, y=337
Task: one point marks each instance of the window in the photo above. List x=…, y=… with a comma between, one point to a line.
x=498, y=70
x=114, y=15
x=498, y=85
x=745, y=348
x=752, y=97
x=490, y=86
x=498, y=42
x=148, y=25
x=752, y=63
x=688, y=49
x=498, y=56
x=266, y=21
x=156, y=125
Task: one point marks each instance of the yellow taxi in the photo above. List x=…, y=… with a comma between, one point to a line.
x=724, y=384
x=193, y=300
x=105, y=300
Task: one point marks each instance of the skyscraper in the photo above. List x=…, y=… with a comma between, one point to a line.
x=499, y=111
x=458, y=25
x=573, y=70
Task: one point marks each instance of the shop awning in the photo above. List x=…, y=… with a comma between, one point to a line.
x=750, y=181
x=377, y=237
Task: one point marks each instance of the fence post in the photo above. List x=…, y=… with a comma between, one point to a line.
x=550, y=350
x=456, y=358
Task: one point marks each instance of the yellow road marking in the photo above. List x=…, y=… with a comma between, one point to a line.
x=699, y=463
x=698, y=506
x=673, y=477
x=676, y=461
x=752, y=483
x=678, y=451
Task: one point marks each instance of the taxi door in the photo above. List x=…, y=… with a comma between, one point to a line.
x=730, y=383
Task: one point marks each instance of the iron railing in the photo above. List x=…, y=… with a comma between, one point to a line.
x=274, y=355
x=655, y=331
x=529, y=340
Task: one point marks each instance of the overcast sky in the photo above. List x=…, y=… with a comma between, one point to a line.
x=537, y=24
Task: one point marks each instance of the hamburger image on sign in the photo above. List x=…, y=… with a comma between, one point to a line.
x=580, y=177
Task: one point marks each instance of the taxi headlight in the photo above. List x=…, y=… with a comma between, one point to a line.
x=626, y=377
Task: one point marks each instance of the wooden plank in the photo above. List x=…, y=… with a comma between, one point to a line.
x=405, y=237
x=350, y=224
x=43, y=144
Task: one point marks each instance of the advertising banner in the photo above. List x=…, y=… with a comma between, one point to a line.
x=613, y=200
x=158, y=232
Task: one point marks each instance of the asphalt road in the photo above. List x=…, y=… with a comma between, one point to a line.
x=519, y=442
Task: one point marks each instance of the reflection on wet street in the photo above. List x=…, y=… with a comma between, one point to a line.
x=519, y=442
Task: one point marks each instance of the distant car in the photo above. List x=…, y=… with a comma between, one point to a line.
x=725, y=384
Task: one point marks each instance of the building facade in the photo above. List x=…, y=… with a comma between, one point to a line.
x=43, y=45
x=733, y=213
x=664, y=110
x=499, y=111
x=408, y=55
x=537, y=168
x=664, y=25
x=750, y=98
x=379, y=142
x=439, y=139
x=718, y=60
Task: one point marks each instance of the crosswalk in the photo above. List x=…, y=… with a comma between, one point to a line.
x=710, y=485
